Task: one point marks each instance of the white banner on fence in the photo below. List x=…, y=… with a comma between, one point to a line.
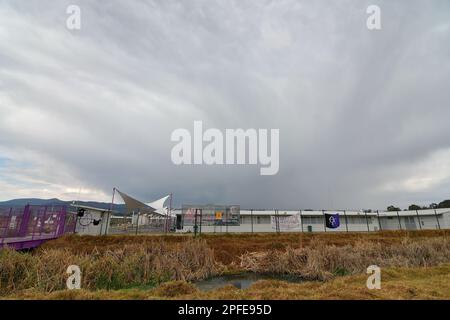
x=286, y=223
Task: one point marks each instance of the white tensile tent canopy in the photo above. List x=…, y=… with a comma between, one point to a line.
x=159, y=205
x=155, y=208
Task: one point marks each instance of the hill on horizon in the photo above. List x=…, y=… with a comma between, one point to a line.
x=119, y=208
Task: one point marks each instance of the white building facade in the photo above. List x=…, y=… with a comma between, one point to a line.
x=314, y=221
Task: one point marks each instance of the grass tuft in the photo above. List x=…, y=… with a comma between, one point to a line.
x=129, y=266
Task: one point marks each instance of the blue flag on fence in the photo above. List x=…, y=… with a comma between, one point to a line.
x=332, y=220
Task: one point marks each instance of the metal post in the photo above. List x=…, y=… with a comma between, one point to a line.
x=301, y=219
x=137, y=222
x=227, y=220
x=195, y=223
x=201, y=220
x=379, y=222
x=251, y=217
x=110, y=212
x=277, y=220
x=182, y=218
x=399, y=222
x=437, y=219
x=170, y=208
x=324, y=221
x=346, y=222
x=274, y=219
x=367, y=221
x=418, y=218
x=102, y=222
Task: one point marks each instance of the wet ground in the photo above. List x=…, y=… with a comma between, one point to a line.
x=240, y=281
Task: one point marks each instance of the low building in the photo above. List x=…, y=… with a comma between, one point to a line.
x=314, y=221
x=90, y=220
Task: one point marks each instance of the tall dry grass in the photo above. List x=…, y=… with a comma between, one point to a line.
x=125, y=262
x=229, y=247
x=131, y=265
x=397, y=283
x=321, y=261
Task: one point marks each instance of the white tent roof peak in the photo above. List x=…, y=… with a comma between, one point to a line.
x=155, y=207
x=158, y=204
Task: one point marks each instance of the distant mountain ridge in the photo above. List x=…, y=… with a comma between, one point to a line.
x=119, y=208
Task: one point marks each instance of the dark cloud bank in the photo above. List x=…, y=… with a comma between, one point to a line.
x=363, y=115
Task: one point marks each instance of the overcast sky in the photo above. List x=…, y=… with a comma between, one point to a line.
x=363, y=115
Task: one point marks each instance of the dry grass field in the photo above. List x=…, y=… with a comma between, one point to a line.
x=229, y=247
x=415, y=265
x=397, y=283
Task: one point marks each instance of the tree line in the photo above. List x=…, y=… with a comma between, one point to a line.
x=440, y=205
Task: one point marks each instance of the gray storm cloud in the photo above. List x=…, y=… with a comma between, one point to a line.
x=363, y=115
